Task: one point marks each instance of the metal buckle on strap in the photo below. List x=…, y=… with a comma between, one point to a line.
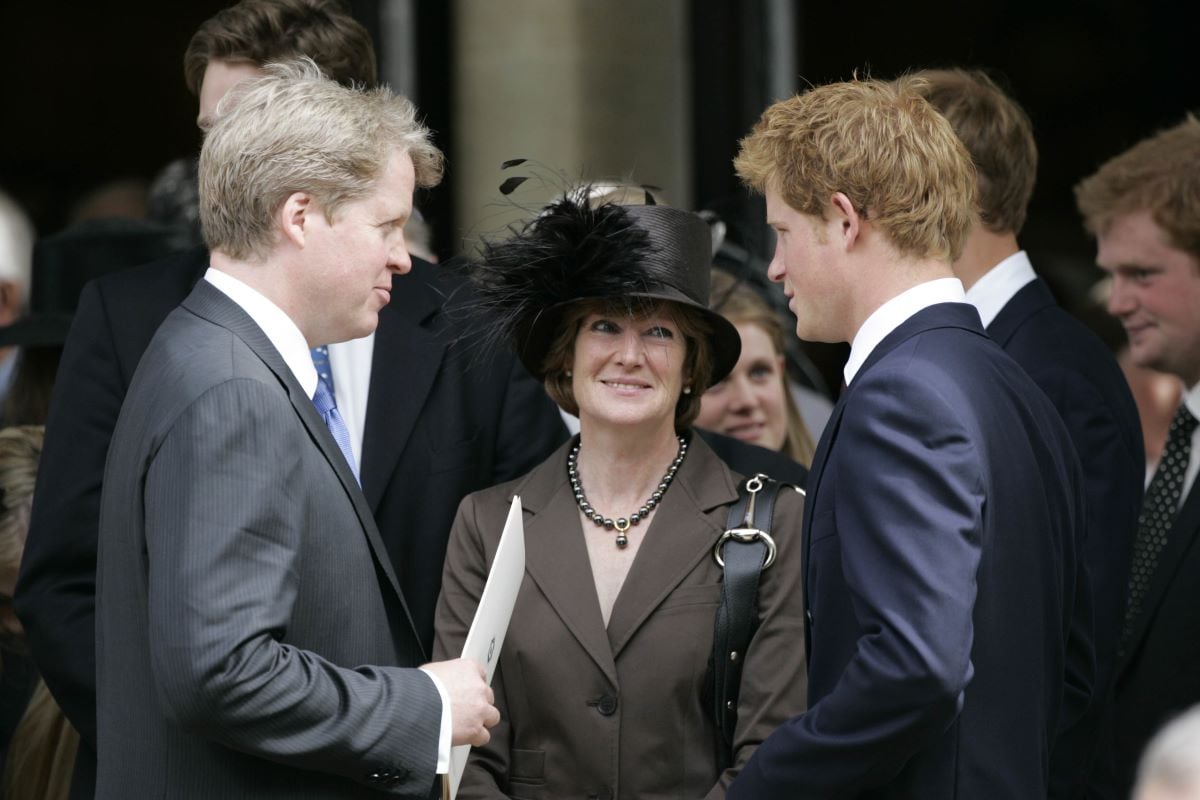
x=745, y=535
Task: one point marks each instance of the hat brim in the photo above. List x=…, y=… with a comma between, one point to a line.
x=536, y=339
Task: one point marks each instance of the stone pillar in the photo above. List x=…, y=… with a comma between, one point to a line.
x=590, y=89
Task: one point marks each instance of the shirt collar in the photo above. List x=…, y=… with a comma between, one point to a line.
x=894, y=312
x=275, y=323
x=1191, y=398
x=999, y=284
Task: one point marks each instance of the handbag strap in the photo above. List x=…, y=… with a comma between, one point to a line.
x=744, y=551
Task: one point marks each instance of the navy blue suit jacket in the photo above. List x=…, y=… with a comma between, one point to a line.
x=1081, y=378
x=944, y=506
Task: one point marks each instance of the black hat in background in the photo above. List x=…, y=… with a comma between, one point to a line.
x=65, y=261
x=572, y=252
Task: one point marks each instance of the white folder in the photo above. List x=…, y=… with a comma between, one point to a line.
x=486, y=636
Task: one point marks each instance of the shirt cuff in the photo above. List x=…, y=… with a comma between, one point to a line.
x=447, y=728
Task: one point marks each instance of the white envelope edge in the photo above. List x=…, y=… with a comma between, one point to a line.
x=486, y=636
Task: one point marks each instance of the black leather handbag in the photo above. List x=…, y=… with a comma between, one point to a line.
x=744, y=550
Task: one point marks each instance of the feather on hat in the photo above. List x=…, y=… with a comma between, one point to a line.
x=573, y=252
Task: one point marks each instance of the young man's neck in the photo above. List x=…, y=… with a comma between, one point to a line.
x=984, y=250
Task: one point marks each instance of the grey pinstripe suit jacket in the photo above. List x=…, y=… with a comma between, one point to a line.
x=243, y=589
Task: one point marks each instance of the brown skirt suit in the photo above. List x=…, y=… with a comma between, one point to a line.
x=620, y=713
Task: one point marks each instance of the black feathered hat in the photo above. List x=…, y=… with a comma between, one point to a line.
x=573, y=252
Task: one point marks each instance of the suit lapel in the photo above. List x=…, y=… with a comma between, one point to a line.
x=556, y=558
x=210, y=303
x=407, y=356
x=680, y=536
x=1183, y=534
x=1030, y=299
x=820, y=459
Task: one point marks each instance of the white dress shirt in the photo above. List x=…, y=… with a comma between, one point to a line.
x=283, y=334
x=894, y=313
x=1000, y=284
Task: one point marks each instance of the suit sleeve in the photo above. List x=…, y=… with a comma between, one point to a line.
x=775, y=676
x=56, y=593
x=224, y=529
x=907, y=516
x=530, y=427
x=463, y=579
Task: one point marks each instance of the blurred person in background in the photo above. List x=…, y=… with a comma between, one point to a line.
x=1170, y=767
x=752, y=402
x=16, y=266
x=1143, y=207
x=1070, y=364
x=41, y=754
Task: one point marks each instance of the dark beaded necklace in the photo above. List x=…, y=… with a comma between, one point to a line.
x=621, y=524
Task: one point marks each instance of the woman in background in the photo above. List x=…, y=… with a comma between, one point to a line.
x=752, y=403
x=41, y=753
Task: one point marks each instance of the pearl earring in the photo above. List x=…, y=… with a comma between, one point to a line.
x=687, y=390
x=569, y=373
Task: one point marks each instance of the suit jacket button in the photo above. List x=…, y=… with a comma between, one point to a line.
x=607, y=705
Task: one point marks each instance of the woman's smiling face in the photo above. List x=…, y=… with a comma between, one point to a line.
x=628, y=370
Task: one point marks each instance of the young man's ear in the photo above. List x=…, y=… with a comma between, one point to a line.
x=848, y=219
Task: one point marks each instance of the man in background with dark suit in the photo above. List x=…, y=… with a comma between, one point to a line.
x=429, y=421
x=944, y=502
x=1143, y=206
x=1072, y=366
x=252, y=640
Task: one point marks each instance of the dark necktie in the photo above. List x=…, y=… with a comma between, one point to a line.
x=326, y=406
x=1159, y=508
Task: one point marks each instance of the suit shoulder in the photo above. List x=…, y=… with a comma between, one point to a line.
x=194, y=354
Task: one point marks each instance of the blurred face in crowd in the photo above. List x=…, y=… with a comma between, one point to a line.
x=219, y=78
x=1155, y=294
x=749, y=403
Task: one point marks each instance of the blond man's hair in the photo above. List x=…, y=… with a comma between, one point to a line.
x=997, y=134
x=1160, y=175
x=884, y=147
x=295, y=130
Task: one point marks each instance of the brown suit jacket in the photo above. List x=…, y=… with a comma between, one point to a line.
x=622, y=712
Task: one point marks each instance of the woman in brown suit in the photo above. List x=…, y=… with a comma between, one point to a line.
x=604, y=683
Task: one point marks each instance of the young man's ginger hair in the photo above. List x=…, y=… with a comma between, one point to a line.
x=997, y=133
x=884, y=147
x=1160, y=175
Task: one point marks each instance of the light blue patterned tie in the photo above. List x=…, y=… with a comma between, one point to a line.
x=327, y=407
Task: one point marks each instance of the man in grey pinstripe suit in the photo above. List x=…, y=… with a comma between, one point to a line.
x=252, y=640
